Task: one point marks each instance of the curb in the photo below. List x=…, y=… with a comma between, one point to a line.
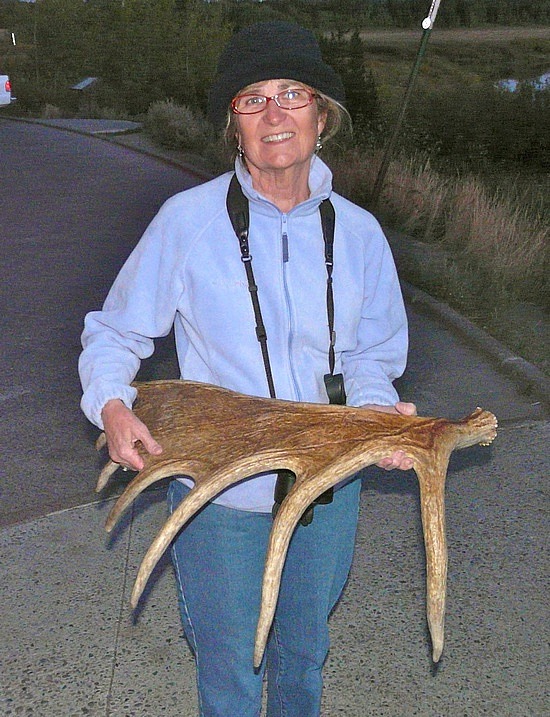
x=115, y=132
x=113, y=136
x=530, y=379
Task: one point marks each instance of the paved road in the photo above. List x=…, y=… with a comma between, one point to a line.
x=71, y=208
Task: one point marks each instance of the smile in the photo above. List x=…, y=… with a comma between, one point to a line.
x=278, y=137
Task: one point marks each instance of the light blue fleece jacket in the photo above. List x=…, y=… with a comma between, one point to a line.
x=187, y=272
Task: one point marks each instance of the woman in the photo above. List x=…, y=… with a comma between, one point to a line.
x=279, y=100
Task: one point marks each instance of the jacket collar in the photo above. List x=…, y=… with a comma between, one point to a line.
x=320, y=185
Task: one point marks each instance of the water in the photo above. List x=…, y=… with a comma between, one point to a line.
x=538, y=83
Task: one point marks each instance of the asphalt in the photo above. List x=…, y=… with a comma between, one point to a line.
x=70, y=644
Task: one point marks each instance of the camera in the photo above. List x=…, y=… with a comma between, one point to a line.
x=334, y=383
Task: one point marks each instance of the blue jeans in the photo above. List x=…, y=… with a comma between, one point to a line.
x=219, y=560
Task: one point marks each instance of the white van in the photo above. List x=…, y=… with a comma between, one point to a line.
x=5, y=90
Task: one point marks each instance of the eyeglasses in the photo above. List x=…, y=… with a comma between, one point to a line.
x=292, y=99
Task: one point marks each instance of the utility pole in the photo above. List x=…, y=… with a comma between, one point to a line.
x=427, y=25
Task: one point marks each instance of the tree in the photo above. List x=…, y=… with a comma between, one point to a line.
x=204, y=32
x=348, y=56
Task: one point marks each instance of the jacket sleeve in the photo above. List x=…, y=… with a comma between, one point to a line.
x=380, y=354
x=140, y=307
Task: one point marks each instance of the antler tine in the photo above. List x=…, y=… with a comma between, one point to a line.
x=105, y=474
x=285, y=522
x=101, y=441
x=146, y=477
x=190, y=505
x=431, y=480
x=109, y=468
x=431, y=470
x=306, y=489
x=199, y=495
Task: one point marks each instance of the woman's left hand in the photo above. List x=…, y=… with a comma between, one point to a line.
x=398, y=459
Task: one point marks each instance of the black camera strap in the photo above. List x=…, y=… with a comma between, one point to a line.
x=238, y=210
x=327, y=222
x=237, y=207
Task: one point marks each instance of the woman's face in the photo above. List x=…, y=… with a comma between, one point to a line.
x=277, y=139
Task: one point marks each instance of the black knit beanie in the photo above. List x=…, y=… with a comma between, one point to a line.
x=270, y=51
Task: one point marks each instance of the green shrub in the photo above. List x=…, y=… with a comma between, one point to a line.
x=51, y=112
x=177, y=127
x=479, y=128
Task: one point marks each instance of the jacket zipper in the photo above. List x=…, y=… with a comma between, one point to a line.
x=285, y=247
x=285, y=253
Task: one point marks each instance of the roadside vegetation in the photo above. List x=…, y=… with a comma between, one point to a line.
x=483, y=251
x=470, y=178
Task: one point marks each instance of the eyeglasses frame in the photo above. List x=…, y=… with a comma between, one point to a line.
x=275, y=98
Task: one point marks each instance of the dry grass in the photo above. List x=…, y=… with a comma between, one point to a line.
x=507, y=242
x=417, y=197
x=503, y=238
x=487, y=253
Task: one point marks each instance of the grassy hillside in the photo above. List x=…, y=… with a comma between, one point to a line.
x=455, y=115
x=457, y=56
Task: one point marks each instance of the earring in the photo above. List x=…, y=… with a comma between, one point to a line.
x=319, y=144
x=240, y=151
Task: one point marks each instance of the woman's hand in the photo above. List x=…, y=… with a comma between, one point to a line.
x=123, y=430
x=398, y=459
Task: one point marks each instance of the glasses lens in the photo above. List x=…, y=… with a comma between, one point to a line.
x=249, y=104
x=294, y=98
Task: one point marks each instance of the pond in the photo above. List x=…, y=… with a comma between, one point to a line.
x=538, y=83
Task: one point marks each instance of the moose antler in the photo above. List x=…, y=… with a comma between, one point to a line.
x=219, y=437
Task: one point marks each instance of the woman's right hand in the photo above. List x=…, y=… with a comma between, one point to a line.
x=123, y=430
